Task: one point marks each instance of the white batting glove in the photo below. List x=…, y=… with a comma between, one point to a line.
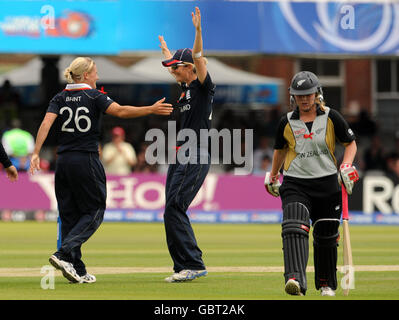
x=272, y=184
x=347, y=176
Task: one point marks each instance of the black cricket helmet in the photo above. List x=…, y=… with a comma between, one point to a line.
x=304, y=83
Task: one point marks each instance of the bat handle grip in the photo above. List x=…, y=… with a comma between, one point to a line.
x=345, y=211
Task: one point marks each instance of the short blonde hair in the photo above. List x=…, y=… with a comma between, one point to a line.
x=75, y=71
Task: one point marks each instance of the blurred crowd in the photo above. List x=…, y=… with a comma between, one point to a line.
x=124, y=147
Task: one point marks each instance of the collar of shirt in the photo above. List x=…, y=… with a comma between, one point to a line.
x=193, y=83
x=77, y=86
x=295, y=114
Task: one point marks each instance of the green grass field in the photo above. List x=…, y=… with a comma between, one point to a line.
x=237, y=257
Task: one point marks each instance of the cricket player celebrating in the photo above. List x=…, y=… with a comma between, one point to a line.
x=80, y=182
x=184, y=180
x=311, y=189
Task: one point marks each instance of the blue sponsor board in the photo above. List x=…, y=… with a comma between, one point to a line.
x=261, y=93
x=279, y=27
x=237, y=217
x=59, y=27
x=195, y=216
x=358, y=217
x=332, y=27
x=244, y=217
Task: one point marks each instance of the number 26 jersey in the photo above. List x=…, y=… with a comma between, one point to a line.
x=80, y=110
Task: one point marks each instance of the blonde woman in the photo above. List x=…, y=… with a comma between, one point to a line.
x=311, y=189
x=80, y=182
x=185, y=179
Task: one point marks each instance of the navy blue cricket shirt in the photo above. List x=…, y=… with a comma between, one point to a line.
x=195, y=106
x=80, y=110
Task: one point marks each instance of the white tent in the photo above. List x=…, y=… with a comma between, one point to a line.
x=151, y=68
x=147, y=70
x=233, y=85
x=109, y=72
x=222, y=74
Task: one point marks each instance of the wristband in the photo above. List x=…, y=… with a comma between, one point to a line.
x=197, y=55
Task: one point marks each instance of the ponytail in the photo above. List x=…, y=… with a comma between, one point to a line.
x=75, y=71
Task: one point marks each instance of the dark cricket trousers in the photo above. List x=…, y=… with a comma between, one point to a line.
x=80, y=188
x=182, y=184
x=323, y=202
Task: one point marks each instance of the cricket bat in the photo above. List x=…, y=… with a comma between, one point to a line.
x=348, y=263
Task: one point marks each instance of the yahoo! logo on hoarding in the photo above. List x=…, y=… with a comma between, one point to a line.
x=360, y=27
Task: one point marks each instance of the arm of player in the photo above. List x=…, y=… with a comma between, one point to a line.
x=44, y=129
x=199, y=61
x=272, y=183
x=158, y=108
x=350, y=153
x=12, y=173
x=165, y=51
x=348, y=174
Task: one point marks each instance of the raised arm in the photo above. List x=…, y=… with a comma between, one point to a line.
x=165, y=50
x=198, y=55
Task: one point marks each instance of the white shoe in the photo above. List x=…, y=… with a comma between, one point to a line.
x=88, y=278
x=68, y=271
x=327, y=291
x=292, y=287
x=171, y=278
x=186, y=275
